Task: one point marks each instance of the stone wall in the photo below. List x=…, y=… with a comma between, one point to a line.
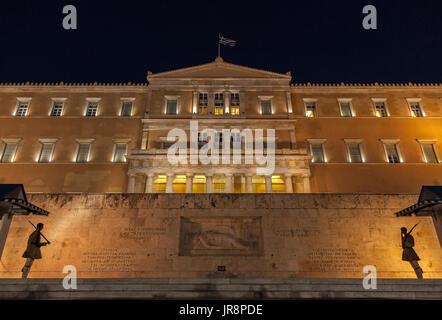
x=251, y=236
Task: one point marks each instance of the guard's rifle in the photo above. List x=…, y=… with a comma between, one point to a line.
x=49, y=242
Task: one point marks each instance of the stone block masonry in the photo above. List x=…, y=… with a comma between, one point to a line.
x=248, y=235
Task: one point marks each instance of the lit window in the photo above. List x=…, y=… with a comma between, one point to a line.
x=235, y=104
x=83, y=152
x=46, y=152
x=346, y=109
x=159, y=184
x=203, y=103
x=22, y=109
x=278, y=184
x=317, y=152
x=380, y=109
x=266, y=107
x=310, y=109
x=416, y=110
x=219, y=104
x=429, y=151
x=8, y=153
x=57, y=109
x=354, y=152
x=120, y=152
x=172, y=106
x=126, y=108
x=92, y=109
x=392, y=153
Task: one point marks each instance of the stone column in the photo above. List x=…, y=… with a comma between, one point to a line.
x=211, y=108
x=306, y=180
x=289, y=103
x=145, y=139
x=288, y=183
x=268, y=184
x=209, y=183
x=292, y=138
x=228, y=183
x=195, y=102
x=189, y=183
x=131, y=183
x=227, y=102
x=249, y=185
x=5, y=223
x=169, y=182
x=149, y=183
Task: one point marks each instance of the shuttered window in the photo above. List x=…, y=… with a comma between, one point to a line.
x=346, y=109
x=83, y=152
x=354, y=150
x=46, y=152
x=9, y=152
x=266, y=107
x=392, y=153
x=120, y=152
x=126, y=109
x=429, y=153
x=416, y=110
x=172, y=106
x=318, y=153
x=381, y=110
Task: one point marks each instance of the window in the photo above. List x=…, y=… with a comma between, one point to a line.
x=8, y=153
x=22, y=109
x=310, y=109
x=392, y=153
x=57, y=109
x=46, y=152
x=235, y=104
x=346, y=110
x=120, y=152
x=167, y=144
x=317, y=152
x=203, y=103
x=83, y=152
x=92, y=108
x=126, y=108
x=416, y=110
x=429, y=151
x=380, y=109
x=171, y=106
x=354, y=152
x=219, y=104
x=266, y=107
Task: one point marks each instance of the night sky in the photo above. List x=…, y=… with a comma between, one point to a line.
x=318, y=41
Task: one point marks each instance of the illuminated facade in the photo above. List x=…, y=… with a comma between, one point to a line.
x=112, y=138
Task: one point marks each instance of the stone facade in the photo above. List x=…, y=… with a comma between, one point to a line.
x=250, y=235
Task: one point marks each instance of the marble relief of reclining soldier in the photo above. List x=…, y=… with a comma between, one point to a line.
x=409, y=254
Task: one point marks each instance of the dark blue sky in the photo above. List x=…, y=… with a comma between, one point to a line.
x=318, y=40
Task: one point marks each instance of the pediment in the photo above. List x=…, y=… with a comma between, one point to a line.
x=218, y=70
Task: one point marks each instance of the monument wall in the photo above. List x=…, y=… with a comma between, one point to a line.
x=247, y=235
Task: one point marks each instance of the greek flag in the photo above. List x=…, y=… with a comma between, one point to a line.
x=226, y=41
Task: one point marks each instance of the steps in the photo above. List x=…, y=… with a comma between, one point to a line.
x=171, y=288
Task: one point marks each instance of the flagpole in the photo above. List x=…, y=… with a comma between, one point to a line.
x=219, y=45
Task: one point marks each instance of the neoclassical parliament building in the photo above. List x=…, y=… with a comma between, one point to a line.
x=347, y=158
x=112, y=138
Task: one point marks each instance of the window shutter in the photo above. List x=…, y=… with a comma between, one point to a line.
x=346, y=109
x=318, y=153
x=83, y=152
x=430, y=153
x=171, y=107
x=392, y=153
x=126, y=109
x=9, y=152
x=355, y=153
x=46, y=152
x=120, y=152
